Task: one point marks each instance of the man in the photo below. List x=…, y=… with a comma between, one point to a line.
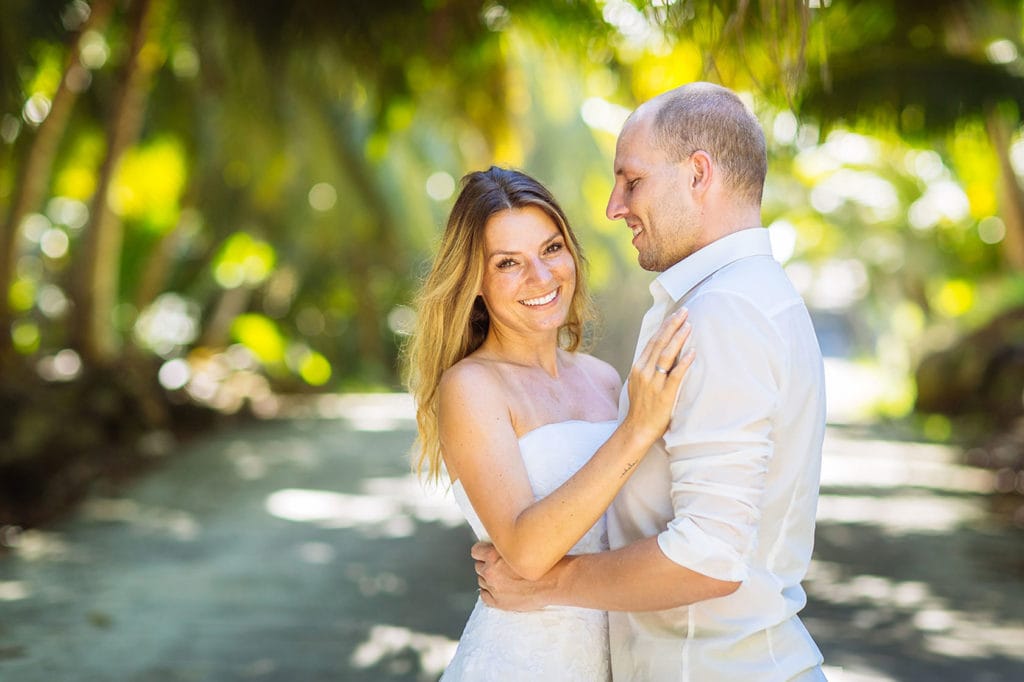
x=713, y=533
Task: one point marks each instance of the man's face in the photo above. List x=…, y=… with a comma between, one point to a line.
x=652, y=195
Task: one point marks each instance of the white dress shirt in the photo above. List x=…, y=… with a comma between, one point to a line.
x=731, y=491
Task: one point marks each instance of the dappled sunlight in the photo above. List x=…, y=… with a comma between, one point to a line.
x=336, y=510
x=861, y=462
x=387, y=507
x=429, y=503
x=894, y=516
x=601, y=114
x=944, y=630
x=390, y=646
x=925, y=488
x=175, y=523
x=863, y=674
x=14, y=590
x=320, y=553
x=851, y=390
x=254, y=461
x=372, y=582
x=38, y=545
x=358, y=411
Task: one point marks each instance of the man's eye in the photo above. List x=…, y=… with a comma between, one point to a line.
x=632, y=183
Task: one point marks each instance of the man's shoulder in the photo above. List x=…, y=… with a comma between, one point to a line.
x=759, y=279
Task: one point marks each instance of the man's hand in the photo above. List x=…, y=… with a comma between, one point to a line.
x=501, y=587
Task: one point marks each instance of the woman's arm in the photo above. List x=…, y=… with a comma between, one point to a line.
x=481, y=449
x=637, y=577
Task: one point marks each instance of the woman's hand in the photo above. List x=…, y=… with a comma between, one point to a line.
x=655, y=377
x=501, y=587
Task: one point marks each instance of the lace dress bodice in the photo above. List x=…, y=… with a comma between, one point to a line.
x=556, y=643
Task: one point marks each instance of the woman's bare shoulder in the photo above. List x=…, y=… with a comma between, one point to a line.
x=470, y=374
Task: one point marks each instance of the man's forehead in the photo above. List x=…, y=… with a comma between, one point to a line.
x=629, y=139
x=635, y=147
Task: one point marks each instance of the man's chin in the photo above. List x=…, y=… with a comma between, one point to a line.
x=650, y=264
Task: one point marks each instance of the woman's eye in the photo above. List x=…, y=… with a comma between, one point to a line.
x=506, y=263
x=556, y=246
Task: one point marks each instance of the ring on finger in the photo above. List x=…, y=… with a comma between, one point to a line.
x=660, y=369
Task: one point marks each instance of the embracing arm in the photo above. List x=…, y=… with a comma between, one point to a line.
x=481, y=450
x=718, y=450
x=638, y=577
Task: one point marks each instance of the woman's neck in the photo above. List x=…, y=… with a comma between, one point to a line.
x=534, y=352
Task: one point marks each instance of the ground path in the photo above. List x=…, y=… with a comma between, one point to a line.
x=300, y=550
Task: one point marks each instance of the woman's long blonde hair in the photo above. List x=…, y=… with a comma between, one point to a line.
x=452, y=320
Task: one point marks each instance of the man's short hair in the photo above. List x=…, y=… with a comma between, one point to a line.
x=708, y=117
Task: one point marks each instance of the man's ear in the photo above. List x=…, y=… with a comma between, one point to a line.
x=703, y=170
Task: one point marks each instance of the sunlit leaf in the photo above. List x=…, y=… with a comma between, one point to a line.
x=314, y=369
x=48, y=75
x=22, y=295
x=983, y=199
x=260, y=335
x=149, y=183
x=25, y=335
x=243, y=260
x=272, y=181
x=657, y=73
x=937, y=428
x=954, y=297
x=77, y=178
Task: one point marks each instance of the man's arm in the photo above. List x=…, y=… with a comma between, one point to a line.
x=638, y=577
x=718, y=448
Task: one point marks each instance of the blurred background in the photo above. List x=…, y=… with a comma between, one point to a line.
x=215, y=213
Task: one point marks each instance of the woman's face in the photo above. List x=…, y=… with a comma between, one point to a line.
x=529, y=275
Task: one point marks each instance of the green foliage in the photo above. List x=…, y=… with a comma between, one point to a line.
x=296, y=160
x=260, y=335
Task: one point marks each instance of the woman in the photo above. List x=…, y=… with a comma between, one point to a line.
x=525, y=425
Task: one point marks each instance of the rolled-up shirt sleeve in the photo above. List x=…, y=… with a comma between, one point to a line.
x=720, y=440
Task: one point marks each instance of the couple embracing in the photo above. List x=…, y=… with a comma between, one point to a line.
x=656, y=532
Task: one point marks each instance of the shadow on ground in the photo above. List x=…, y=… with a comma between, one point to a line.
x=303, y=550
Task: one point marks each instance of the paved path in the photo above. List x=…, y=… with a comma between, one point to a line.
x=301, y=550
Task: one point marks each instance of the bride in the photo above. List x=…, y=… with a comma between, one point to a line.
x=525, y=425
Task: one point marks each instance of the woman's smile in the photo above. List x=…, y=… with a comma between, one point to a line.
x=542, y=300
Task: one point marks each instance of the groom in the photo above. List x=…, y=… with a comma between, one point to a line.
x=713, y=533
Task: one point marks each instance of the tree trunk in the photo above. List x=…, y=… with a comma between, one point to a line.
x=35, y=173
x=231, y=304
x=161, y=258
x=1011, y=194
x=98, y=263
x=384, y=243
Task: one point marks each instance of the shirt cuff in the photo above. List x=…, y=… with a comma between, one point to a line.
x=687, y=545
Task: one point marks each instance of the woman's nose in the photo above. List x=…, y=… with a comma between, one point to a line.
x=539, y=270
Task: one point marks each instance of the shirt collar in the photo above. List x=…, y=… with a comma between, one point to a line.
x=687, y=273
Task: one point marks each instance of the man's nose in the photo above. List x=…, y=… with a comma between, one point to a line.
x=616, y=208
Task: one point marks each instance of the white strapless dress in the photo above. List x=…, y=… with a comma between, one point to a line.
x=562, y=644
